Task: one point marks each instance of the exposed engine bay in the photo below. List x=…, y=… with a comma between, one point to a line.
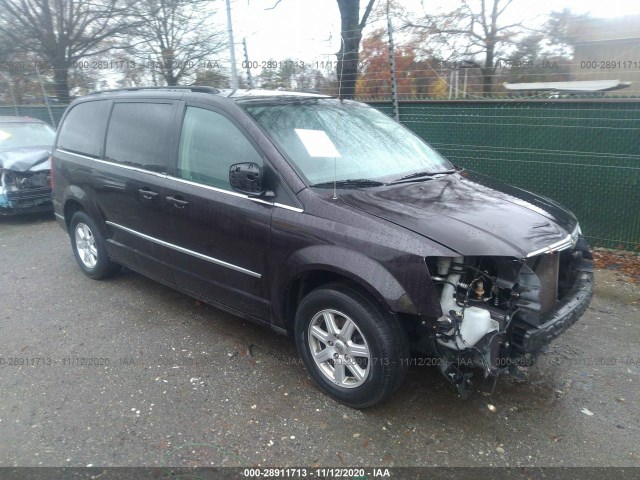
x=500, y=313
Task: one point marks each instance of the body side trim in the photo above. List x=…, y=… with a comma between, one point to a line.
x=186, y=251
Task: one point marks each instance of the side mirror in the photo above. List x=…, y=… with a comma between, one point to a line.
x=247, y=178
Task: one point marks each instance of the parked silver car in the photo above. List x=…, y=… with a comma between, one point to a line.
x=25, y=171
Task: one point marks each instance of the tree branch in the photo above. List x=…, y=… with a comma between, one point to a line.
x=276, y=4
x=366, y=14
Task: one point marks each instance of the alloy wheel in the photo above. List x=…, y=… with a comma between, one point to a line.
x=339, y=349
x=86, y=245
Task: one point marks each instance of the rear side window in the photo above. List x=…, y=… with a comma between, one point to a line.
x=83, y=128
x=139, y=135
x=209, y=145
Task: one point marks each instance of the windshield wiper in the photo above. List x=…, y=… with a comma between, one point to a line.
x=418, y=176
x=353, y=183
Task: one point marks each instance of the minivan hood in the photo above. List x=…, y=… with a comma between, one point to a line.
x=470, y=213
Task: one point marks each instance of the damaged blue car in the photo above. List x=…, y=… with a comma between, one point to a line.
x=25, y=173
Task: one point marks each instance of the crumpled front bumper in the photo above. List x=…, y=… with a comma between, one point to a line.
x=529, y=339
x=30, y=199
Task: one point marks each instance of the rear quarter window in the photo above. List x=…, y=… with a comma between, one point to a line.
x=82, y=130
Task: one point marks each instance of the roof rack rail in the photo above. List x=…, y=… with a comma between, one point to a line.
x=191, y=88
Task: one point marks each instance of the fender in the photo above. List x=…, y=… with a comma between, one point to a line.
x=77, y=194
x=409, y=292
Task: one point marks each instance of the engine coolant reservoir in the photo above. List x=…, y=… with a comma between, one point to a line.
x=476, y=323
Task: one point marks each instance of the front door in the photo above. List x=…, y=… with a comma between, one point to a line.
x=221, y=237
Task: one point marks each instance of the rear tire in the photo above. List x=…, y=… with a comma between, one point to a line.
x=355, y=351
x=89, y=248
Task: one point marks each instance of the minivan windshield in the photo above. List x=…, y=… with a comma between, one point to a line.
x=346, y=141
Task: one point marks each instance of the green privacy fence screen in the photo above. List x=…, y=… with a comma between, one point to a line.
x=583, y=153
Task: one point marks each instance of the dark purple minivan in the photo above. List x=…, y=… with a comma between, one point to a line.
x=323, y=219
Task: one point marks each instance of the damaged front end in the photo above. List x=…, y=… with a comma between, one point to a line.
x=25, y=181
x=500, y=313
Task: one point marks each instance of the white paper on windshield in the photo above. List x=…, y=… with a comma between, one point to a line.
x=317, y=143
x=4, y=135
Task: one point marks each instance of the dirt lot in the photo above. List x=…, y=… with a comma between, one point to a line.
x=126, y=372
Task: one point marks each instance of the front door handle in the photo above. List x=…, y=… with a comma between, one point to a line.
x=147, y=194
x=177, y=201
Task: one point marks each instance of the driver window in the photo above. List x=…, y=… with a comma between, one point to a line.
x=209, y=145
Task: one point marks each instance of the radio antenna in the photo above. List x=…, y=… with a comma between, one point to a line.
x=335, y=159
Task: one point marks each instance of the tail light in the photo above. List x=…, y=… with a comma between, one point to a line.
x=51, y=172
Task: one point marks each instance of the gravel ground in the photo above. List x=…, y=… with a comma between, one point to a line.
x=126, y=372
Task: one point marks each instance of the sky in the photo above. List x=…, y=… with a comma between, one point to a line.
x=309, y=30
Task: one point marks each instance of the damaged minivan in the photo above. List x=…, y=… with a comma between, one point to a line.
x=325, y=220
x=25, y=181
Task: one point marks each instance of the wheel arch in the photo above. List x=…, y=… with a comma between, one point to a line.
x=315, y=266
x=71, y=206
x=76, y=199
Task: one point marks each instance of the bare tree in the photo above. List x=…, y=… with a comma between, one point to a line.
x=351, y=26
x=349, y=53
x=17, y=82
x=61, y=32
x=471, y=30
x=178, y=36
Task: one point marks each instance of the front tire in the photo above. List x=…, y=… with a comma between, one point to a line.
x=89, y=247
x=355, y=351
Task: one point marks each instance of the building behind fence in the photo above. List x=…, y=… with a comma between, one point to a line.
x=583, y=153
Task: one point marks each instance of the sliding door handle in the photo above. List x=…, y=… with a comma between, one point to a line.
x=177, y=201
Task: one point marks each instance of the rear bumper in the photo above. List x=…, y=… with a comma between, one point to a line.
x=557, y=321
x=58, y=211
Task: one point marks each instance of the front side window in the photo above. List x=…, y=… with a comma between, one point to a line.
x=209, y=144
x=328, y=139
x=138, y=135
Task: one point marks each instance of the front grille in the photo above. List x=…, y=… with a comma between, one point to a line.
x=29, y=194
x=563, y=244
